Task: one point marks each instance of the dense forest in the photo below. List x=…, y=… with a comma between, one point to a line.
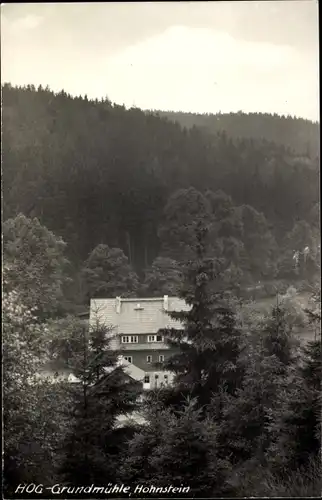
x=96, y=173
x=301, y=136
x=242, y=418
x=101, y=201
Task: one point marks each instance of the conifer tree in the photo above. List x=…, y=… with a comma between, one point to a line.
x=245, y=432
x=278, y=339
x=177, y=448
x=104, y=393
x=209, y=344
x=298, y=423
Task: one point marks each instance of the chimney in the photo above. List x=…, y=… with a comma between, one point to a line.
x=165, y=302
x=118, y=305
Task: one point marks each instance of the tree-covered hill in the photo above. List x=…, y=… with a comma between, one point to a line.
x=96, y=173
x=301, y=135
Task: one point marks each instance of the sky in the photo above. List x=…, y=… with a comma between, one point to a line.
x=205, y=57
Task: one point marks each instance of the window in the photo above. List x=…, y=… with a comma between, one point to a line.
x=156, y=376
x=149, y=359
x=128, y=358
x=130, y=339
x=161, y=358
x=155, y=338
x=165, y=377
x=146, y=379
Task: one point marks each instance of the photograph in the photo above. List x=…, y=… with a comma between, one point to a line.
x=161, y=250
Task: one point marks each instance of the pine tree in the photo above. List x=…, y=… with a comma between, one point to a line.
x=245, y=432
x=209, y=345
x=105, y=392
x=298, y=426
x=277, y=337
x=177, y=448
x=136, y=467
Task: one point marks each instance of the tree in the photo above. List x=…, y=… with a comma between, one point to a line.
x=297, y=425
x=209, y=344
x=163, y=278
x=228, y=235
x=107, y=273
x=35, y=262
x=299, y=237
x=293, y=308
x=184, y=209
x=22, y=344
x=277, y=337
x=190, y=443
x=302, y=244
x=270, y=363
x=34, y=425
x=245, y=433
x=66, y=342
x=105, y=392
x=259, y=244
x=92, y=175
x=227, y=218
x=136, y=467
x=186, y=441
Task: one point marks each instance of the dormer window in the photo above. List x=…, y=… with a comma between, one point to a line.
x=130, y=339
x=155, y=338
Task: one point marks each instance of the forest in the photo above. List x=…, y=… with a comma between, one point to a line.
x=104, y=201
x=297, y=134
x=97, y=173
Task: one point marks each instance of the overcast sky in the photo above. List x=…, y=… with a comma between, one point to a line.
x=190, y=56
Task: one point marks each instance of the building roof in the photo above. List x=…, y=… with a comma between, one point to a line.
x=136, y=315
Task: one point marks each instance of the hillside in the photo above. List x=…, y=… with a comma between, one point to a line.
x=301, y=136
x=94, y=172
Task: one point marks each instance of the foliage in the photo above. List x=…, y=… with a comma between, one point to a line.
x=66, y=342
x=107, y=273
x=295, y=133
x=293, y=308
x=261, y=482
x=245, y=432
x=105, y=392
x=259, y=244
x=301, y=251
x=278, y=340
x=192, y=207
x=184, y=210
x=186, y=442
x=35, y=263
x=162, y=278
x=34, y=425
x=103, y=174
x=297, y=424
x=209, y=344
